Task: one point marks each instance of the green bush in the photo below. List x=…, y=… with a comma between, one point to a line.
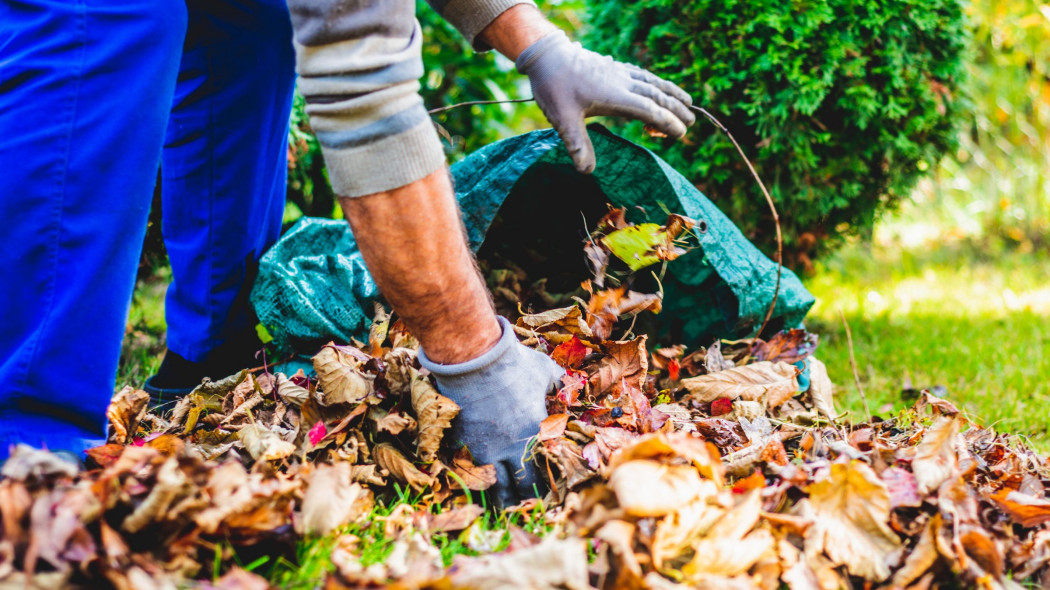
x=841, y=104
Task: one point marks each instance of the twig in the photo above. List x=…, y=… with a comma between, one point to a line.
x=476, y=102
x=853, y=365
x=772, y=209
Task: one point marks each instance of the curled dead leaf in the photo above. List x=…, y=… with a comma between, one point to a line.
x=125, y=411
x=434, y=412
x=391, y=459
x=341, y=380
x=772, y=383
x=264, y=444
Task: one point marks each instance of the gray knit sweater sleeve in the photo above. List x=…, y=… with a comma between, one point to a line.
x=359, y=64
x=470, y=17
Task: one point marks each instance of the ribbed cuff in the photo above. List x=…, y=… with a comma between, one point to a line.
x=385, y=164
x=470, y=17
x=506, y=343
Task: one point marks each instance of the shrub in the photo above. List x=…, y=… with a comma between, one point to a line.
x=842, y=104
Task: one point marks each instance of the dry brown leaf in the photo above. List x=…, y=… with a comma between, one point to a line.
x=565, y=320
x=332, y=500
x=289, y=391
x=772, y=383
x=434, y=412
x=626, y=572
x=475, y=477
x=821, y=391
x=456, y=519
x=391, y=459
x=554, y=564
x=605, y=307
x=649, y=488
x=731, y=547
x=679, y=531
x=1027, y=511
x=27, y=463
x=922, y=557
x=264, y=444
x=553, y=427
x=395, y=423
x=125, y=411
x=171, y=484
x=670, y=447
x=935, y=458
x=625, y=361
x=851, y=508
x=728, y=557
x=341, y=380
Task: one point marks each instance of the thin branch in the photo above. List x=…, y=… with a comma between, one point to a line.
x=853, y=364
x=475, y=102
x=772, y=209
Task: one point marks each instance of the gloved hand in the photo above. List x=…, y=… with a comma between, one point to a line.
x=501, y=396
x=570, y=83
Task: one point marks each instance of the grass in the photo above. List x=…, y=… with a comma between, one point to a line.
x=957, y=316
x=144, y=335
x=374, y=544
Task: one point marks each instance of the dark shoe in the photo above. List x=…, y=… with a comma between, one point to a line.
x=177, y=376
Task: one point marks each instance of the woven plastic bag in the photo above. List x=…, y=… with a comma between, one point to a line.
x=313, y=286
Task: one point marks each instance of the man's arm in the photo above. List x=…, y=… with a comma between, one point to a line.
x=359, y=61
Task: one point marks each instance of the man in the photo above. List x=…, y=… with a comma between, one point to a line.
x=359, y=63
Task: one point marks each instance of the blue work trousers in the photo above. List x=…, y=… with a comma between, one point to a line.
x=95, y=95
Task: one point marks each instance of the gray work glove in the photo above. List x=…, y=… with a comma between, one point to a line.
x=501, y=396
x=570, y=83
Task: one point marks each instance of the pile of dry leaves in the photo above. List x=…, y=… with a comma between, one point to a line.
x=670, y=468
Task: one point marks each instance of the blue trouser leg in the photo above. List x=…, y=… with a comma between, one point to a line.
x=225, y=166
x=85, y=92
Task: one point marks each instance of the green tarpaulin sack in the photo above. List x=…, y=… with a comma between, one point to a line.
x=522, y=197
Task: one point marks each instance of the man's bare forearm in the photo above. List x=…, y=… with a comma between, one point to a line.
x=515, y=29
x=413, y=243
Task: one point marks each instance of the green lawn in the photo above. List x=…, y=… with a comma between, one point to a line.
x=954, y=316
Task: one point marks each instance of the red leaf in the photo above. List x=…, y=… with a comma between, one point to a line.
x=673, y=368
x=720, y=406
x=317, y=433
x=570, y=354
x=573, y=383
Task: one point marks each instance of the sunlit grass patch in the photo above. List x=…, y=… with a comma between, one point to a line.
x=951, y=316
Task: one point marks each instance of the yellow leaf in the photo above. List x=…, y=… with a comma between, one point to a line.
x=649, y=488
x=851, y=508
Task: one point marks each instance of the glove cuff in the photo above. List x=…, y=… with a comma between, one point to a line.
x=526, y=59
x=505, y=344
